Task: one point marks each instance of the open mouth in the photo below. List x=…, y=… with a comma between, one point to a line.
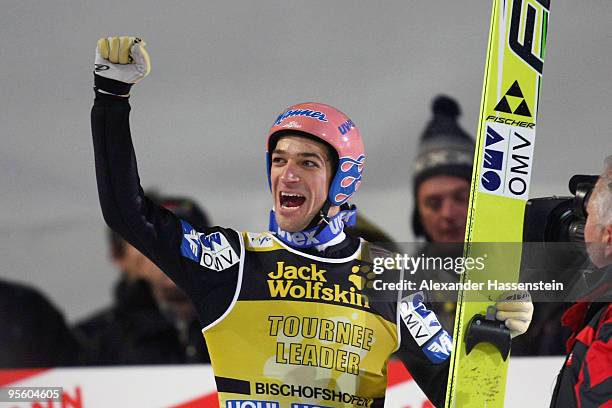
x=291, y=200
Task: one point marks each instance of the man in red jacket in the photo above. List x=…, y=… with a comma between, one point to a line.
x=586, y=377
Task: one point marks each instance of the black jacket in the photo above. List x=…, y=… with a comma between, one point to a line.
x=134, y=331
x=34, y=333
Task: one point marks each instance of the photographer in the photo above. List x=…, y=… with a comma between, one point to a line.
x=586, y=377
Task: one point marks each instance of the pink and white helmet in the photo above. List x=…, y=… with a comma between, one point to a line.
x=333, y=127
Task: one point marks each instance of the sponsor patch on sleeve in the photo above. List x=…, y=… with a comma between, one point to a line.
x=190, y=245
x=217, y=253
x=212, y=251
x=438, y=350
x=421, y=322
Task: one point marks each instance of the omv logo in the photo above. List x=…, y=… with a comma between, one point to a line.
x=507, y=161
x=493, y=160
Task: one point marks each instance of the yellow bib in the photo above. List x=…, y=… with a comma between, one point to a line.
x=301, y=332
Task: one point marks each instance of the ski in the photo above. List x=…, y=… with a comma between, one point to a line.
x=501, y=175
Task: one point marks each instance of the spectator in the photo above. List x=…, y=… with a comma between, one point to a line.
x=34, y=333
x=371, y=232
x=441, y=180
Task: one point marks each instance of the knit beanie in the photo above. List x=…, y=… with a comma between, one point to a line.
x=444, y=149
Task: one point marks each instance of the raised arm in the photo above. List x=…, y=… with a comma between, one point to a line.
x=152, y=230
x=175, y=246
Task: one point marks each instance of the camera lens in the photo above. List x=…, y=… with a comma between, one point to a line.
x=576, y=231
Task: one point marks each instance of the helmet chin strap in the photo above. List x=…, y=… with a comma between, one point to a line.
x=321, y=230
x=324, y=214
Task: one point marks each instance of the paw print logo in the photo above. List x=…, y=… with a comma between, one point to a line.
x=362, y=276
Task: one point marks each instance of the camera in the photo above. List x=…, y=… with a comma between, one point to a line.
x=559, y=219
x=553, y=234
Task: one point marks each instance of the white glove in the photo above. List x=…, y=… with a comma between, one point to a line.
x=515, y=309
x=122, y=59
